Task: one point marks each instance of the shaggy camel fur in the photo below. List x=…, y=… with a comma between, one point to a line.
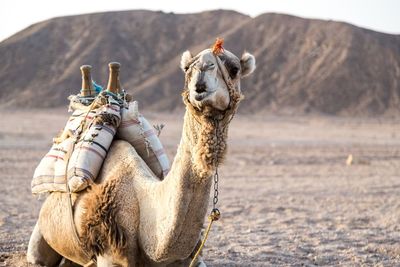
x=131, y=218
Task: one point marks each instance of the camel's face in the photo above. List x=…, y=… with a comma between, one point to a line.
x=206, y=84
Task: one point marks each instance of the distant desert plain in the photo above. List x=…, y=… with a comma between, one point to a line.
x=287, y=196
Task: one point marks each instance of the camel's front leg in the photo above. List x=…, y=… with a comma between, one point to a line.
x=186, y=262
x=104, y=261
x=39, y=252
x=201, y=263
x=124, y=259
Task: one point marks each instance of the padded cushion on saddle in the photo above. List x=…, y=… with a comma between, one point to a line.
x=84, y=149
x=136, y=130
x=84, y=156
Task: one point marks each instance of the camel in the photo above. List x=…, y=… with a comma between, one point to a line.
x=131, y=218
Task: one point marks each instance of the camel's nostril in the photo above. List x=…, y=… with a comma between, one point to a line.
x=201, y=87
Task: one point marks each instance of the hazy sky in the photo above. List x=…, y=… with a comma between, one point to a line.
x=380, y=15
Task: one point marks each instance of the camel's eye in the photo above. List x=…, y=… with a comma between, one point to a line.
x=210, y=66
x=233, y=71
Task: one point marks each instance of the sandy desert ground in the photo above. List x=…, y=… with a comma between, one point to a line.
x=286, y=195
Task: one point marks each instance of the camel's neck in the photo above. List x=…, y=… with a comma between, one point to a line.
x=205, y=141
x=183, y=195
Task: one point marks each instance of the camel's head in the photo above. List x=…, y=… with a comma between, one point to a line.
x=209, y=72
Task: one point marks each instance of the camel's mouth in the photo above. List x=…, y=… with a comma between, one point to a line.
x=203, y=95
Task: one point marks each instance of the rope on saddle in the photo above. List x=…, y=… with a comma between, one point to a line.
x=70, y=202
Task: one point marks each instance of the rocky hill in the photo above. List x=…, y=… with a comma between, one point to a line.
x=304, y=66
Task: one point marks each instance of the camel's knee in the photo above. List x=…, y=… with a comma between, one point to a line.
x=39, y=252
x=201, y=263
x=186, y=262
x=109, y=260
x=104, y=261
x=67, y=263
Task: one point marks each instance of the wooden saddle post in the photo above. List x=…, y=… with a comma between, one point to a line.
x=114, y=85
x=87, y=86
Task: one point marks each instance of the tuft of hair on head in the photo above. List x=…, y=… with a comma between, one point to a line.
x=218, y=48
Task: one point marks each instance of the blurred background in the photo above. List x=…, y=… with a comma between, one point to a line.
x=313, y=56
x=312, y=172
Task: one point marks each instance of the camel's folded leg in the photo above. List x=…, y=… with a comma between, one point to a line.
x=200, y=263
x=39, y=252
x=186, y=262
x=67, y=263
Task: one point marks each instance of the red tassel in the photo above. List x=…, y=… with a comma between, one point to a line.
x=217, y=48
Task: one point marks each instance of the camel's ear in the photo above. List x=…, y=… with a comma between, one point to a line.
x=247, y=63
x=185, y=60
